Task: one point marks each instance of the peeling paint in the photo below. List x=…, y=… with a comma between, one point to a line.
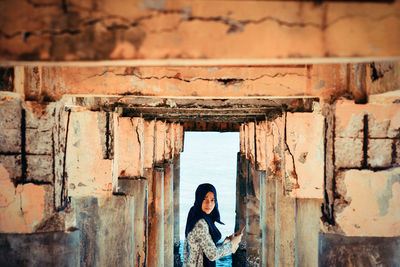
x=212, y=70
x=321, y=85
x=385, y=194
x=153, y=4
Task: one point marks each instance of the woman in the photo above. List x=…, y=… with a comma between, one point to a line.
x=201, y=248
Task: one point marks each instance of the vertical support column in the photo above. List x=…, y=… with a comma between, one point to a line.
x=156, y=220
x=176, y=175
x=239, y=258
x=149, y=143
x=308, y=225
x=138, y=189
x=19, y=80
x=285, y=228
x=270, y=222
x=253, y=216
x=263, y=218
x=168, y=215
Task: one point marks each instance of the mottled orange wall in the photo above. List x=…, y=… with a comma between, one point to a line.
x=106, y=29
x=327, y=81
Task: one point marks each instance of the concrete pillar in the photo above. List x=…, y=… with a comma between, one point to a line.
x=253, y=237
x=168, y=215
x=40, y=249
x=239, y=258
x=285, y=233
x=156, y=219
x=263, y=217
x=106, y=228
x=138, y=189
x=308, y=226
x=176, y=185
x=269, y=222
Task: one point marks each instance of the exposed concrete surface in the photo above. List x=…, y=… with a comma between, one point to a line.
x=167, y=29
x=40, y=249
x=106, y=227
x=338, y=250
x=373, y=208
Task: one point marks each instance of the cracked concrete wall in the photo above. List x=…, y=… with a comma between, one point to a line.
x=326, y=81
x=366, y=164
x=361, y=183
x=280, y=189
x=292, y=152
x=50, y=144
x=31, y=192
x=359, y=187
x=72, y=30
x=59, y=173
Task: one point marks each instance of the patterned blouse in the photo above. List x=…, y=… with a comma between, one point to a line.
x=199, y=241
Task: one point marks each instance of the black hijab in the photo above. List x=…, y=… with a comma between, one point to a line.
x=196, y=213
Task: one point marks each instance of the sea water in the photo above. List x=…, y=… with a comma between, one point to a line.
x=210, y=157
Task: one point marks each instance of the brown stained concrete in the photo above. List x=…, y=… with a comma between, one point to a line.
x=326, y=81
x=305, y=154
x=366, y=251
x=169, y=81
x=88, y=173
x=373, y=208
x=25, y=204
x=383, y=119
x=233, y=29
x=129, y=154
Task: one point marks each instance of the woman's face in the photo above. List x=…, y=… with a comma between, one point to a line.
x=208, y=203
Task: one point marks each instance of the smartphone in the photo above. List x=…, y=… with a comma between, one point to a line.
x=240, y=230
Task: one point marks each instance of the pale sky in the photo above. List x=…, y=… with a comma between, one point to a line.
x=209, y=157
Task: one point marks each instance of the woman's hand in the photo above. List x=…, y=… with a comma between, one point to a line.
x=227, y=239
x=235, y=240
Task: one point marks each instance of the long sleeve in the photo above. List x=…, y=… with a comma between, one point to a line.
x=198, y=241
x=212, y=251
